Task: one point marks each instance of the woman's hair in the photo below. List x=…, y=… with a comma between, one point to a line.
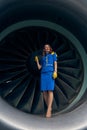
x=50, y=48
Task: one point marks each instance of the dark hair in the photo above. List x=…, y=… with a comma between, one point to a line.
x=49, y=46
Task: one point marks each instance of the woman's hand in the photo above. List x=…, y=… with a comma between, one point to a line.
x=36, y=58
x=55, y=75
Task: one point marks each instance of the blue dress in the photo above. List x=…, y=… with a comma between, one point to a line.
x=47, y=81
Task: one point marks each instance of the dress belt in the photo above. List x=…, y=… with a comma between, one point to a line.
x=49, y=64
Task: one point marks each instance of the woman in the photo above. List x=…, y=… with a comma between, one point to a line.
x=48, y=68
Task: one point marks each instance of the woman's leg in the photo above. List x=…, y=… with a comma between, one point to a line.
x=45, y=95
x=49, y=103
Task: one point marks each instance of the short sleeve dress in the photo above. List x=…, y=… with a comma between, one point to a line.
x=47, y=81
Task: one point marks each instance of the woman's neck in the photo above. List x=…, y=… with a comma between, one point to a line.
x=46, y=53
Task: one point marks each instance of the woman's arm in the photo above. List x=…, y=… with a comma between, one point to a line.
x=38, y=64
x=37, y=61
x=55, y=66
x=55, y=70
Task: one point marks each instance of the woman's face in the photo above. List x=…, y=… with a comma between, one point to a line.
x=47, y=48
